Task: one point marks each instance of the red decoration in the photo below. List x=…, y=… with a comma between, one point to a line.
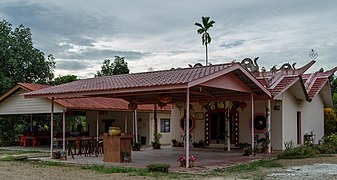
x=243, y=105
x=165, y=99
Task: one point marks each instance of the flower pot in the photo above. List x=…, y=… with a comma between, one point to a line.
x=114, y=131
x=156, y=146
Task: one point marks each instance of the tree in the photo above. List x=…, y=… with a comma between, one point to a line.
x=119, y=66
x=203, y=30
x=330, y=121
x=64, y=79
x=20, y=60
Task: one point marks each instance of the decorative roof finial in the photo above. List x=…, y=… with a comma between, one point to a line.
x=313, y=54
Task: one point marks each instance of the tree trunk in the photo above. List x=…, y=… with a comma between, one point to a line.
x=206, y=54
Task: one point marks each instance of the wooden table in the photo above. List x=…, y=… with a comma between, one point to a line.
x=114, y=146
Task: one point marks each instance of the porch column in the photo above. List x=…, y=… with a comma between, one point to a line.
x=125, y=122
x=227, y=127
x=187, y=129
x=97, y=125
x=31, y=122
x=268, y=133
x=52, y=127
x=136, y=126
x=133, y=127
x=252, y=122
x=64, y=130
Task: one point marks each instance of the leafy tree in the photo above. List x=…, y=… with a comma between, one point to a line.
x=119, y=66
x=330, y=121
x=203, y=30
x=20, y=60
x=64, y=79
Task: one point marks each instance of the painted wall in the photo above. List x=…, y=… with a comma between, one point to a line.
x=17, y=104
x=276, y=125
x=289, y=115
x=313, y=117
x=166, y=136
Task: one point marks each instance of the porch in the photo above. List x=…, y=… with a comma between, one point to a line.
x=207, y=158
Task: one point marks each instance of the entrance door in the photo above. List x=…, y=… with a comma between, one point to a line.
x=218, y=127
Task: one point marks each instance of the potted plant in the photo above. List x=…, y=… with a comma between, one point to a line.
x=125, y=156
x=191, y=159
x=155, y=143
x=136, y=146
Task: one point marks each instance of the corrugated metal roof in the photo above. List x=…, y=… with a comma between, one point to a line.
x=93, y=103
x=124, y=81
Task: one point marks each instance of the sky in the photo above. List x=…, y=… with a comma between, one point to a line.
x=161, y=34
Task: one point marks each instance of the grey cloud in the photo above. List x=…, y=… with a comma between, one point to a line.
x=232, y=44
x=104, y=54
x=71, y=65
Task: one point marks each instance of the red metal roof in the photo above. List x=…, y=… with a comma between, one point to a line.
x=146, y=79
x=316, y=87
x=93, y=103
x=284, y=84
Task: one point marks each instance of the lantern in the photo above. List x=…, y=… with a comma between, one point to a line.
x=161, y=104
x=165, y=99
x=243, y=105
x=132, y=106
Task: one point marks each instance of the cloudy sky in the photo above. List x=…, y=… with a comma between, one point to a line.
x=161, y=34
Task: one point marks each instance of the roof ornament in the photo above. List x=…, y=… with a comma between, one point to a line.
x=195, y=65
x=313, y=54
x=250, y=65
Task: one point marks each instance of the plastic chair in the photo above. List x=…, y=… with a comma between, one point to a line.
x=23, y=141
x=35, y=142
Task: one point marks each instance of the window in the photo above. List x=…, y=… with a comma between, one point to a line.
x=164, y=125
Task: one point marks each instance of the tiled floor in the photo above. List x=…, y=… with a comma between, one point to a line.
x=207, y=158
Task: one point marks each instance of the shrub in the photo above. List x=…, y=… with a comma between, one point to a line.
x=297, y=153
x=158, y=168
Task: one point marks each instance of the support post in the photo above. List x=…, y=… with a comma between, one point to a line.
x=268, y=133
x=228, y=128
x=136, y=127
x=252, y=122
x=133, y=127
x=97, y=125
x=64, y=130
x=52, y=127
x=125, y=122
x=31, y=122
x=187, y=129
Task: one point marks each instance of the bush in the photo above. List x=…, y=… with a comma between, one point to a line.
x=158, y=168
x=297, y=153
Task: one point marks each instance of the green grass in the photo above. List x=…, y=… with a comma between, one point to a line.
x=13, y=158
x=13, y=152
x=249, y=167
x=108, y=170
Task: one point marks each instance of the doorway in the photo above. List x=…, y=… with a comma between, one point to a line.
x=218, y=125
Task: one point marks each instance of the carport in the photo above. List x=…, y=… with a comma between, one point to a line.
x=226, y=82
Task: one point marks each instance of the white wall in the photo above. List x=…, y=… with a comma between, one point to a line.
x=166, y=136
x=17, y=104
x=313, y=117
x=289, y=115
x=276, y=126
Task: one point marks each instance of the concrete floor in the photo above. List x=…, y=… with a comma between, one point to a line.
x=207, y=158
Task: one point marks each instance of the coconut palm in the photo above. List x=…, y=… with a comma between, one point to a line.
x=203, y=30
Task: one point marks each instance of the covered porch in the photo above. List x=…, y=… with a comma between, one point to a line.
x=225, y=82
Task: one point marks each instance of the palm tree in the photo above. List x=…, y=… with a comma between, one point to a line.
x=203, y=29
